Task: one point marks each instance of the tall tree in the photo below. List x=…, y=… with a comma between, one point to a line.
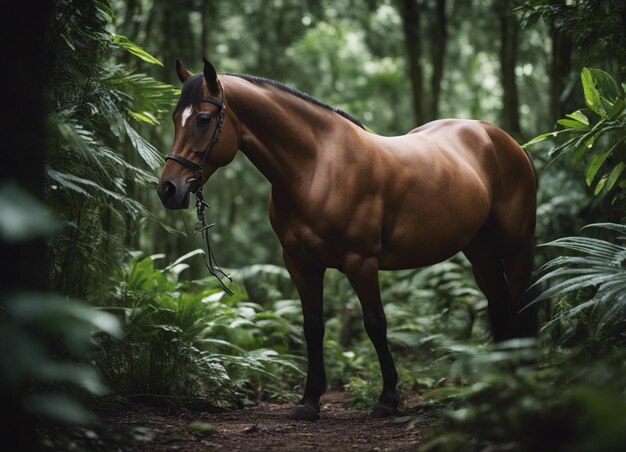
x=207, y=12
x=560, y=68
x=24, y=267
x=439, y=46
x=509, y=29
x=23, y=131
x=409, y=10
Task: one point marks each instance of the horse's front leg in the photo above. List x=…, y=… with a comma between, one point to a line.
x=363, y=276
x=309, y=281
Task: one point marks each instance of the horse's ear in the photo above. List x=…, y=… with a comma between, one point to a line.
x=183, y=73
x=210, y=75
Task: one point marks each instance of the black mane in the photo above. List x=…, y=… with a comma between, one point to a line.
x=192, y=92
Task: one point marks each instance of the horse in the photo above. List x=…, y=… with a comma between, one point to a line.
x=343, y=197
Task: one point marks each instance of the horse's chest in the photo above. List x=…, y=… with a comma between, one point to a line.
x=318, y=234
x=300, y=239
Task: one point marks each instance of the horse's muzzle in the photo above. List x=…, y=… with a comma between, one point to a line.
x=174, y=195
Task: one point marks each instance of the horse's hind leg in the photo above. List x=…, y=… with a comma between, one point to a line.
x=518, y=266
x=490, y=276
x=503, y=274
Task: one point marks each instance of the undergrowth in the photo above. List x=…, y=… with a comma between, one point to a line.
x=182, y=338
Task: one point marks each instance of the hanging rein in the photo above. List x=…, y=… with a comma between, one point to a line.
x=209, y=259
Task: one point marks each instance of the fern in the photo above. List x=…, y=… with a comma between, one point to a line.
x=98, y=160
x=597, y=271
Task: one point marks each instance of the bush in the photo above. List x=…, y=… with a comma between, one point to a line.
x=186, y=340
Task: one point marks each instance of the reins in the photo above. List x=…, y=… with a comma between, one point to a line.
x=209, y=258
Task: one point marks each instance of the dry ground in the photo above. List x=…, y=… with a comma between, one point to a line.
x=264, y=427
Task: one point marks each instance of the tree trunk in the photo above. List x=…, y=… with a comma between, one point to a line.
x=508, y=58
x=177, y=43
x=26, y=59
x=204, y=32
x=411, y=21
x=560, y=68
x=27, y=72
x=438, y=56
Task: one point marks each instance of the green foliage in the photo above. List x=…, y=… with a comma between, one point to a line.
x=30, y=325
x=538, y=396
x=23, y=217
x=595, y=26
x=595, y=134
x=45, y=339
x=590, y=286
x=516, y=395
x=181, y=339
x=92, y=171
x=134, y=49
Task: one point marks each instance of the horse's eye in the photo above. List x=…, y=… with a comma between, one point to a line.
x=204, y=120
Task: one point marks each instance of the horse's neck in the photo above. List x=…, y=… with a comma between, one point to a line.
x=281, y=134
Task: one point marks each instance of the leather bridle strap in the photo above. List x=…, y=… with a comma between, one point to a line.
x=198, y=167
x=189, y=163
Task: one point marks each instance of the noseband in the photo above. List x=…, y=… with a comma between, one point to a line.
x=198, y=167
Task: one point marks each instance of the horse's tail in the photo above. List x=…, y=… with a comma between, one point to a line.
x=518, y=224
x=532, y=164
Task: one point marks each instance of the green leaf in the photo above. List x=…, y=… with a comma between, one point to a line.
x=579, y=116
x=148, y=152
x=572, y=123
x=23, y=216
x=592, y=95
x=58, y=407
x=616, y=109
x=144, y=117
x=606, y=84
x=600, y=186
x=582, y=146
x=134, y=49
x=545, y=136
x=33, y=307
x=594, y=165
x=614, y=175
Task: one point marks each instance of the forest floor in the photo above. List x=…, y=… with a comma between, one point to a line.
x=265, y=427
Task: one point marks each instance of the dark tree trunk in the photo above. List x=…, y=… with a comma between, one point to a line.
x=411, y=21
x=131, y=24
x=176, y=38
x=509, y=29
x=27, y=72
x=206, y=25
x=560, y=68
x=26, y=63
x=438, y=56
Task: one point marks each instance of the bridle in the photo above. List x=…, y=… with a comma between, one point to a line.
x=198, y=167
x=196, y=189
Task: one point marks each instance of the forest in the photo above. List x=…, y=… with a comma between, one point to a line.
x=115, y=336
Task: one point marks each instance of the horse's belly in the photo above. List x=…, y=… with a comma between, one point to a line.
x=417, y=252
x=424, y=233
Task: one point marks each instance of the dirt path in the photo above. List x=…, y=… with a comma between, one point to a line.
x=264, y=427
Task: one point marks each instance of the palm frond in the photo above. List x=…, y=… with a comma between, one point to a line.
x=598, y=269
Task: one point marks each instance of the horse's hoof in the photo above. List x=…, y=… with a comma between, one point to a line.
x=384, y=410
x=304, y=413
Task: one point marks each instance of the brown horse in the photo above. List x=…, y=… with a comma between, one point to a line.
x=345, y=198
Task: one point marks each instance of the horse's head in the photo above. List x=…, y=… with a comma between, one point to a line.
x=205, y=136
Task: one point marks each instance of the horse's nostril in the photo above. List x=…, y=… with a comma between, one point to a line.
x=169, y=189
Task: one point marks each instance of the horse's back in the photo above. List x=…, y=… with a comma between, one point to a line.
x=453, y=177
